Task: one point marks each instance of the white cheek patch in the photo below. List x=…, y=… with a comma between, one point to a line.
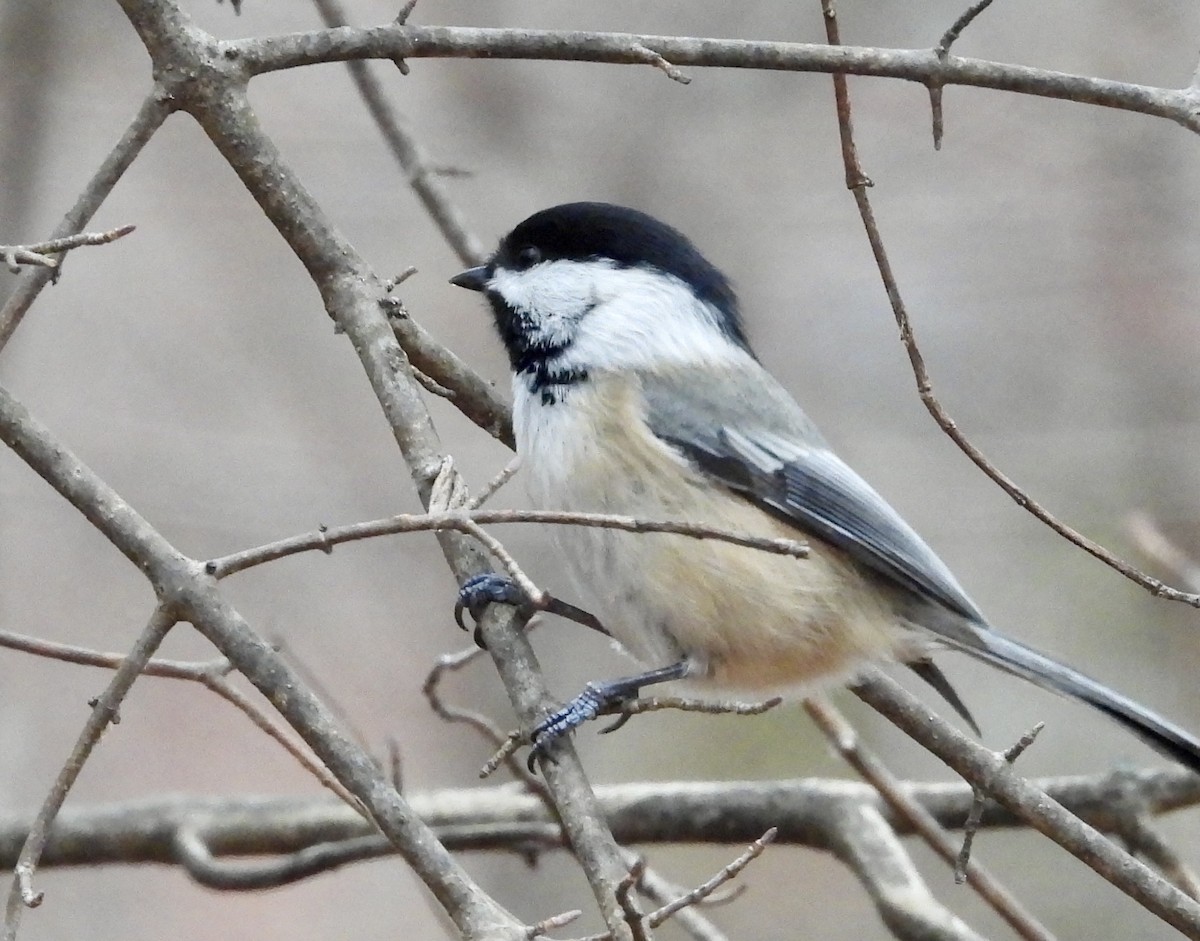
x=604, y=316
x=551, y=298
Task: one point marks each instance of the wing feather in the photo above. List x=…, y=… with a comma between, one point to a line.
x=770, y=453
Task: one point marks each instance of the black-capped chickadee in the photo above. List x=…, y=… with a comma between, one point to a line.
x=635, y=392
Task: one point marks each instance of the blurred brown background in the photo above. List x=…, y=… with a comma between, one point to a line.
x=1049, y=257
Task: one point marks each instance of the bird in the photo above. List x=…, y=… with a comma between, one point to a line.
x=636, y=392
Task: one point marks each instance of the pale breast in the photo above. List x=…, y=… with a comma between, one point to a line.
x=751, y=619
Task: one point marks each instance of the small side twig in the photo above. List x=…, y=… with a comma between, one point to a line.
x=39, y=253
x=696, y=895
x=493, y=486
x=507, y=744
x=968, y=16
x=650, y=57
x=636, y=707
x=708, y=887
x=546, y=925
x=942, y=50
x=691, y=920
x=432, y=386
x=975, y=817
x=149, y=118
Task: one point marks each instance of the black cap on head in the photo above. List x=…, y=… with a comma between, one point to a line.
x=582, y=231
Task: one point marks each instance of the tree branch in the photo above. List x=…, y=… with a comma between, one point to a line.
x=923, y=66
x=995, y=776
x=150, y=116
x=497, y=817
x=193, y=596
x=104, y=713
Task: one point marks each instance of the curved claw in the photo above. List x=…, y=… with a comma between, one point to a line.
x=620, y=721
x=478, y=592
x=598, y=698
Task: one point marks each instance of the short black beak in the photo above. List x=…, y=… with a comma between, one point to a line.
x=473, y=279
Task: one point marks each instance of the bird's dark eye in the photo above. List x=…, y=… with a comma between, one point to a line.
x=528, y=256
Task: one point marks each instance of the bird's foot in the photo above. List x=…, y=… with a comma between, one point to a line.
x=479, y=591
x=596, y=699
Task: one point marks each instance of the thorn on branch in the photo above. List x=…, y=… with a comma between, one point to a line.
x=942, y=50
x=975, y=817
x=392, y=283
x=401, y=19
x=650, y=57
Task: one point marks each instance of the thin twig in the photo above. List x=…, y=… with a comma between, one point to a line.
x=507, y=561
x=404, y=146
x=38, y=253
x=104, y=712
x=690, y=920
x=965, y=19
x=636, y=707
x=547, y=925
x=211, y=674
x=858, y=182
x=149, y=118
x=916, y=65
x=493, y=486
x=700, y=892
x=845, y=739
x=650, y=57
x=708, y=887
x=461, y=520
x=942, y=51
x=507, y=744
x=193, y=854
x=982, y=767
x=1141, y=838
x=971, y=827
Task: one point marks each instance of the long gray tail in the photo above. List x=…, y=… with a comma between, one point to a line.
x=1015, y=658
